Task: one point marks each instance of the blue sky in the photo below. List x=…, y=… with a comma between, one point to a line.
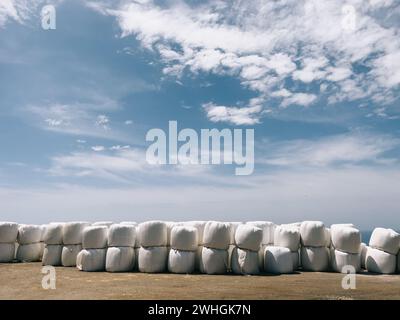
x=321, y=93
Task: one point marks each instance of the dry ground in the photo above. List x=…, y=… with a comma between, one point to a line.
x=23, y=281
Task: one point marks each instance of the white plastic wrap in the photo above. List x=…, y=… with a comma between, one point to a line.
x=214, y=261
x=153, y=234
x=234, y=226
x=152, y=259
x=217, y=235
x=7, y=252
x=170, y=225
x=181, y=261
x=131, y=223
x=268, y=229
x=379, y=261
x=386, y=240
x=328, y=240
x=91, y=260
x=346, y=239
x=8, y=232
x=136, y=262
x=199, y=225
x=363, y=254
x=288, y=237
x=248, y=237
x=53, y=233
x=95, y=237
x=103, y=223
x=73, y=232
x=244, y=261
x=52, y=255
x=184, y=238
x=29, y=252
x=341, y=259
x=278, y=260
x=120, y=235
x=69, y=254
x=315, y=258
x=313, y=234
x=120, y=259
x=28, y=234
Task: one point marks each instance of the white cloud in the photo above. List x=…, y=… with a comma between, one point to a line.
x=103, y=121
x=266, y=44
x=98, y=148
x=352, y=148
x=234, y=115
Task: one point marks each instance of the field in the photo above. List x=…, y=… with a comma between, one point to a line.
x=23, y=281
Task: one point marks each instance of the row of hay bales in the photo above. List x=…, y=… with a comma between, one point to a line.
x=209, y=247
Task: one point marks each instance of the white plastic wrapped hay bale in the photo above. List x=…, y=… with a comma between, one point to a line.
x=53, y=233
x=69, y=254
x=103, y=223
x=363, y=254
x=95, y=237
x=268, y=229
x=313, y=234
x=184, y=238
x=29, y=252
x=315, y=258
x=28, y=234
x=341, y=259
x=346, y=239
x=199, y=225
x=217, y=235
x=378, y=261
x=234, y=226
x=7, y=252
x=121, y=235
x=73, y=232
x=136, y=262
x=153, y=234
x=288, y=237
x=244, y=261
x=120, y=259
x=248, y=237
x=328, y=240
x=52, y=255
x=386, y=240
x=214, y=261
x=170, y=225
x=278, y=260
x=181, y=261
x=8, y=232
x=152, y=259
x=91, y=260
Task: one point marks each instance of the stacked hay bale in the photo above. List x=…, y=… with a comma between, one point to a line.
x=363, y=255
x=184, y=244
x=278, y=260
x=381, y=255
x=244, y=259
x=29, y=243
x=268, y=229
x=53, y=239
x=214, y=256
x=94, y=243
x=234, y=226
x=72, y=240
x=153, y=252
x=345, y=248
x=199, y=225
x=314, y=251
x=288, y=236
x=121, y=253
x=42, y=244
x=8, y=238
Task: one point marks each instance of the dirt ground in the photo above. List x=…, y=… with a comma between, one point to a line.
x=23, y=281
